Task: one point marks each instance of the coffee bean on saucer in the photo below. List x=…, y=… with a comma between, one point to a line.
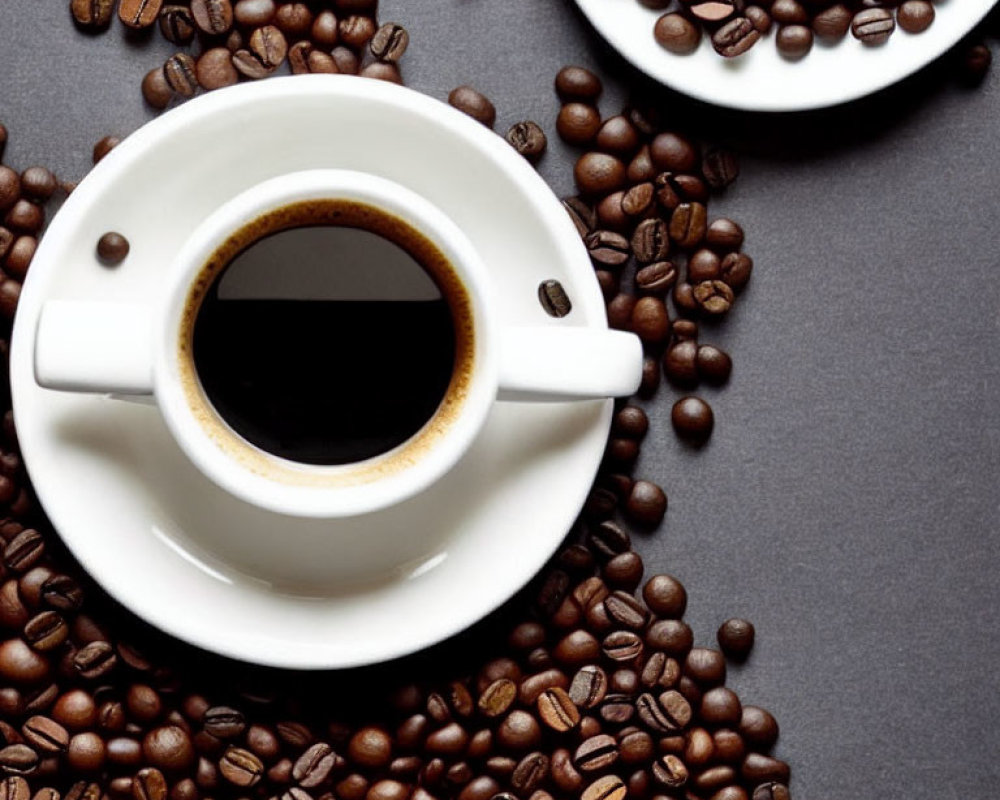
x=712, y=12
x=112, y=248
x=677, y=33
x=759, y=18
x=832, y=24
x=736, y=637
x=789, y=12
x=692, y=419
x=794, y=41
x=554, y=299
x=915, y=16
x=473, y=103
x=873, y=26
x=577, y=84
x=528, y=139
x=92, y=15
x=735, y=37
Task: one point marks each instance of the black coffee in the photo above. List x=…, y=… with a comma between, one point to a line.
x=325, y=344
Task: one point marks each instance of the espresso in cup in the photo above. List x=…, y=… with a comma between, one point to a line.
x=328, y=332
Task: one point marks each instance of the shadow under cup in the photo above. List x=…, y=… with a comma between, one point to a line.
x=326, y=333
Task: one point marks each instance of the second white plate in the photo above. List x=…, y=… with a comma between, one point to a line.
x=761, y=79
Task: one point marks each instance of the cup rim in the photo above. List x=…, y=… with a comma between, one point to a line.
x=306, y=490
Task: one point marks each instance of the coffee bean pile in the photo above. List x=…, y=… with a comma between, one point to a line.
x=661, y=262
x=734, y=26
x=239, y=40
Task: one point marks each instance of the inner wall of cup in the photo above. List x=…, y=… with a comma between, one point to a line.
x=440, y=276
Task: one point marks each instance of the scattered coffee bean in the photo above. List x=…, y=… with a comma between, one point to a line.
x=112, y=248
x=794, y=41
x=557, y=709
x=578, y=123
x=677, y=33
x=528, y=139
x=692, y=419
x=92, y=15
x=213, y=17
x=758, y=728
x=577, y=84
x=598, y=174
x=736, y=637
x=214, y=69
x=714, y=365
x=646, y=504
x=473, y=103
x=139, y=14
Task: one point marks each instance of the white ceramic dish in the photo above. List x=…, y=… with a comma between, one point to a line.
x=167, y=542
x=761, y=79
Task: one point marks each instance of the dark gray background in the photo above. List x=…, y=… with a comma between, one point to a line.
x=847, y=502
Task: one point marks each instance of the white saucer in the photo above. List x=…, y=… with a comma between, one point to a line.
x=164, y=540
x=761, y=79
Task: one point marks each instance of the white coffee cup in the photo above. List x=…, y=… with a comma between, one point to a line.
x=135, y=350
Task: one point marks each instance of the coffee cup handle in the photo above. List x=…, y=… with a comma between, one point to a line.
x=99, y=347
x=555, y=363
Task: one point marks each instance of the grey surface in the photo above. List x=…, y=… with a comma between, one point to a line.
x=847, y=502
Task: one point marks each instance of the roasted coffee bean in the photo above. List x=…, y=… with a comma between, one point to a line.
x=10, y=187
x=646, y=504
x=155, y=89
x=62, y=593
x=254, y=13
x=389, y=42
x=45, y=734
x=223, y=722
x=241, y=767
x=18, y=759
x=789, y=12
x=529, y=774
x=688, y=224
x=519, y=731
x=295, y=19
x=720, y=167
x=641, y=168
x=758, y=768
x=714, y=297
x=138, y=14
x=794, y=41
x=314, y=766
x=736, y=638
x=596, y=753
x=168, y=748
x=557, y=710
x=581, y=214
x=124, y=751
x=729, y=746
x=915, y=16
x=672, y=636
x=700, y=749
x=528, y=139
x=677, y=33
x=497, y=698
x=356, y=32
x=143, y=703
x=23, y=551
x=25, y=217
x=38, y=184
x=626, y=611
x=680, y=363
x=714, y=366
x=638, y=200
x=608, y=540
x=624, y=571
x=651, y=241
x=720, y=707
x=473, y=103
x=771, y=791
x=617, y=709
x=650, y=323
x=268, y=46
x=712, y=12
x=382, y=71
x=180, y=74
x=659, y=671
x=832, y=23
x=92, y=15
x=724, y=235
x=14, y=787
x=692, y=419
x=450, y=740
x=598, y=174
x=577, y=647
x=589, y=686
x=214, y=69
x=577, y=84
x=705, y=666
x=554, y=299
x=735, y=37
x=324, y=31
x=611, y=215
x=149, y=784
x=622, y=646
x=372, y=746
x=608, y=248
x=758, y=728
x=346, y=60
x=683, y=295
x=177, y=24
x=213, y=17
x=46, y=631
x=577, y=558
x=673, y=153
x=617, y=136
x=736, y=269
x=6, y=241
x=112, y=248
x=578, y=123
x=653, y=715
x=608, y=787
x=656, y=278
x=630, y=421
x=460, y=700
x=873, y=26
x=670, y=771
